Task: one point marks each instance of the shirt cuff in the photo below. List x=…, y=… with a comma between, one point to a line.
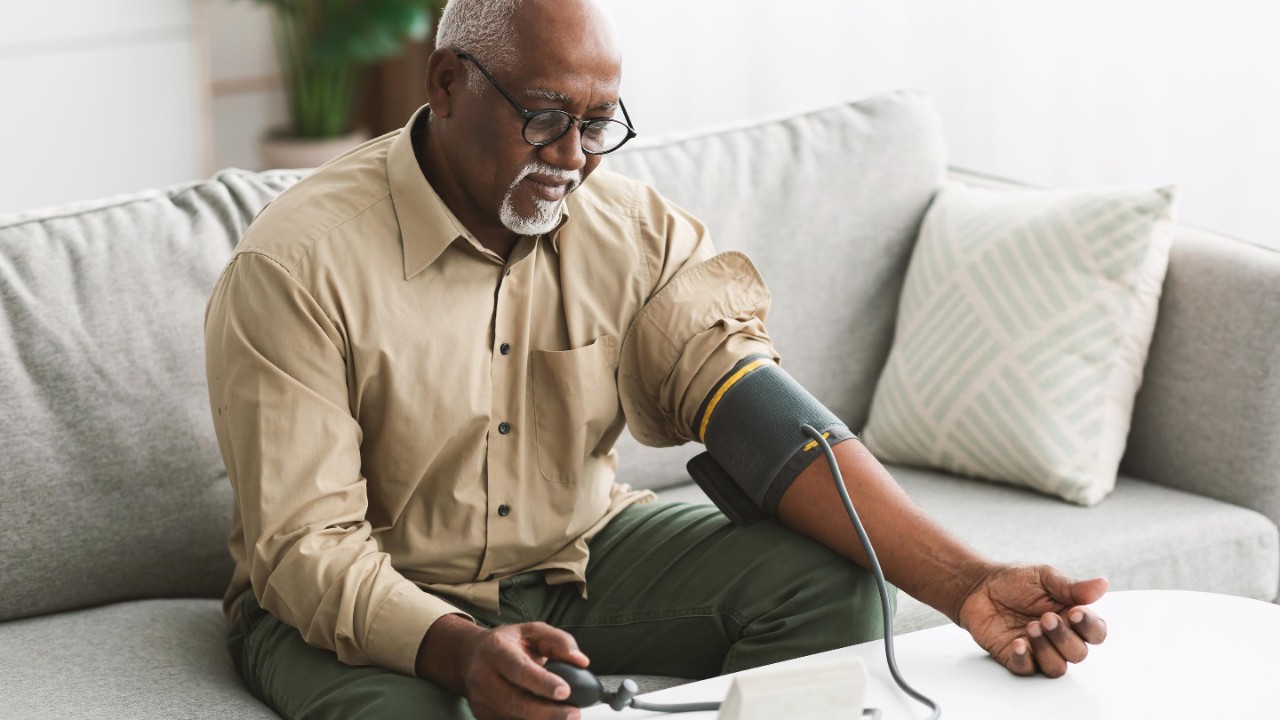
x=396, y=633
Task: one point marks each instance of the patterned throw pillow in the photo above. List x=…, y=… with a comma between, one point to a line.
x=1022, y=334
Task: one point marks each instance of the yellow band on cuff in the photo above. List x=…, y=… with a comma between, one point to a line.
x=724, y=387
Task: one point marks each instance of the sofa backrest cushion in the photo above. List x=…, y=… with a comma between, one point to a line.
x=828, y=205
x=113, y=487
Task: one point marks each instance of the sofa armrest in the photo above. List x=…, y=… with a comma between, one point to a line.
x=1207, y=419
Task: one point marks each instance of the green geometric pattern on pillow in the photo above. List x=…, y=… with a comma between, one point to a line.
x=1022, y=333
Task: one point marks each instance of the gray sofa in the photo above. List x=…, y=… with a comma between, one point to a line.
x=114, y=505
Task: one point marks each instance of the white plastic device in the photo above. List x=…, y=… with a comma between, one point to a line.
x=824, y=689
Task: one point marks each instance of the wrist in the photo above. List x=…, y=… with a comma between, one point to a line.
x=445, y=652
x=968, y=580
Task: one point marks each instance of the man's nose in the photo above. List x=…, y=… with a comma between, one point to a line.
x=566, y=152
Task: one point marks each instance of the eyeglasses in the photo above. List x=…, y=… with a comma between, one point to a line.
x=543, y=127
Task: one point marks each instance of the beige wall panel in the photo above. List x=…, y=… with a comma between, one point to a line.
x=240, y=40
x=238, y=123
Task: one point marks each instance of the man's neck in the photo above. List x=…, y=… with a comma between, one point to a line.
x=496, y=238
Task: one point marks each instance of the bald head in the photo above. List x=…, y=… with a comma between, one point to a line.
x=502, y=34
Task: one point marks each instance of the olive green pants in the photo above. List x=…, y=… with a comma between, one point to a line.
x=675, y=590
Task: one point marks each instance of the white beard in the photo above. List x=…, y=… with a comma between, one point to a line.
x=546, y=213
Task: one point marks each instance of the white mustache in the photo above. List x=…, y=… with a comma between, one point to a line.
x=573, y=177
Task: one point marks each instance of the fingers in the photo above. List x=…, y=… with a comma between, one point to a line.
x=527, y=670
x=520, y=670
x=1086, y=592
x=1073, y=592
x=555, y=644
x=1058, y=637
x=505, y=678
x=506, y=689
x=1019, y=659
x=1057, y=640
x=516, y=703
x=1087, y=624
x=1064, y=639
x=1047, y=657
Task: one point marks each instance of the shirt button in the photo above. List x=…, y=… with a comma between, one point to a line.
x=504, y=428
x=505, y=349
x=504, y=510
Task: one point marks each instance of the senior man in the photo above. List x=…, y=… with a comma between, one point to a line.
x=419, y=360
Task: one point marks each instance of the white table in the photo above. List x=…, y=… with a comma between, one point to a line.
x=1168, y=654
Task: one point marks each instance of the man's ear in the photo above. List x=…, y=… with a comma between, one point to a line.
x=444, y=78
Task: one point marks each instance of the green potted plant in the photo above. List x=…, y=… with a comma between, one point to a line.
x=323, y=46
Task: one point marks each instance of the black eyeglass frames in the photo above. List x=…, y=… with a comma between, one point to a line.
x=543, y=127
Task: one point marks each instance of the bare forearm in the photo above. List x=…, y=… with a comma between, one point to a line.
x=916, y=553
x=440, y=656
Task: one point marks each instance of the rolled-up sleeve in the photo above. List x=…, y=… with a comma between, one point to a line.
x=707, y=312
x=278, y=393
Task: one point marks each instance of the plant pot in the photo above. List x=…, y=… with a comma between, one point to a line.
x=281, y=151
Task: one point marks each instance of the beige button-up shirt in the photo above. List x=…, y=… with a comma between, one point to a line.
x=407, y=418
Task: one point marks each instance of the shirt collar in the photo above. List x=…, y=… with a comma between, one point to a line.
x=427, y=226
x=555, y=233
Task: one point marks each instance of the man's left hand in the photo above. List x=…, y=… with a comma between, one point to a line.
x=1032, y=617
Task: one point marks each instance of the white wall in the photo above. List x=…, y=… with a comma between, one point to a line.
x=97, y=97
x=100, y=95
x=1058, y=93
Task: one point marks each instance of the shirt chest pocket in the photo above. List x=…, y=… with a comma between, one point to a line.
x=575, y=400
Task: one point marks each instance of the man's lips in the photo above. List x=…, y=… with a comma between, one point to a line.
x=548, y=188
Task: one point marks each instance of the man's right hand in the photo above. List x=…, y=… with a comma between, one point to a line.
x=500, y=671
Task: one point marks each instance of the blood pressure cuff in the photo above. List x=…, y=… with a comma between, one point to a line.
x=750, y=423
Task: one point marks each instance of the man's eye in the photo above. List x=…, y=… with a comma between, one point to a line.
x=549, y=121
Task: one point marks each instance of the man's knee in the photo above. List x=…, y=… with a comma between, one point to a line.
x=809, y=599
x=836, y=593
x=852, y=599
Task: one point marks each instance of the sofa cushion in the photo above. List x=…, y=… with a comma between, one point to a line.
x=827, y=204
x=1144, y=536
x=157, y=659
x=113, y=487
x=1022, y=333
